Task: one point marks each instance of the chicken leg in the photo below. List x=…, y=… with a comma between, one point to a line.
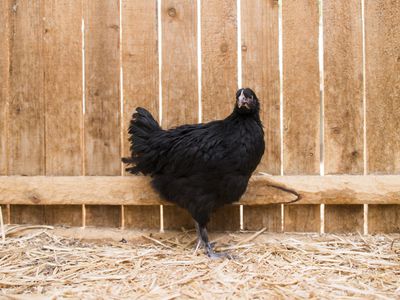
x=203, y=239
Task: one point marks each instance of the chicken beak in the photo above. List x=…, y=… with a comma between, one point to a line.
x=243, y=101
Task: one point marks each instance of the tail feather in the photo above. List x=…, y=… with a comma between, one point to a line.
x=142, y=127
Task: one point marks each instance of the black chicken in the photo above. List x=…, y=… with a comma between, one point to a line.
x=200, y=167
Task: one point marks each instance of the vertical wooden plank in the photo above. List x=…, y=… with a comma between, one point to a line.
x=27, y=214
x=142, y=216
x=383, y=218
x=301, y=100
x=5, y=211
x=179, y=78
x=65, y=215
x=219, y=58
x=343, y=72
x=260, y=216
x=344, y=218
x=260, y=66
x=301, y=104
x=140, y=85
x=63, y=86
x=219, y=80
x=179, y=62
x=102, y=135
x=302, y=218
x=382, y=47
x=139, y=60
x=343, y=104
x=226, y=218
x=102, y=73
x=26, y=106
x=4, y=83
x=175, y=218
x=103, y=215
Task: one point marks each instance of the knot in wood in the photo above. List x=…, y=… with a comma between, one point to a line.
x=336, y=130
x=244, y=48
x=34, y=198
x=223, y=47
x=171, y=12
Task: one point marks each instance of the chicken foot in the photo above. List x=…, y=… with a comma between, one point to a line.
x=209, y=247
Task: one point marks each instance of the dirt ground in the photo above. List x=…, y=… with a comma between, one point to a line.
x=75, y=263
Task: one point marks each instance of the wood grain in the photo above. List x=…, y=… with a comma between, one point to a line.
x=260, y=72
x=103, y=215
x=176, y=218
x=344, y=218
x=219, y=78
x=179, y=77
x=61, y=215
x=226, y=218
x=26, y=103
x=140, y=84
x=260, y=67
x=142, y=217
x=301, y=218
x=343, y=87
x=64, y=215
x=27, y=214
x=102, y=73
x=62, y=54
x=219, y=58
x=4, y=211
x=136, y=190
x=139, y=60
x=301, y=100
x=179, y=62
x=4, y=83
x=343, y=104
x=259, y=216
x=383, y=218
x=382, y=47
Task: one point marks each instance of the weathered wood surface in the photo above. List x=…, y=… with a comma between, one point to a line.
x=301, y=97
x=102, y=88
x=260, y=67
x=139, y=60
x=179, y=63
x=301, y=102
x=219, y=79
x=344, y=218
x=301, y=218
x=260, y=71
x=180, y=104
x=218, y=58
x=257, y=217
x=343, y=87
x=383, y=218
x=343, y=104
x=136, y=190
x=4, y=83
x=62, y=53
x=139, y=55
x=382, y=51
x=225, y=218
x=26, y=114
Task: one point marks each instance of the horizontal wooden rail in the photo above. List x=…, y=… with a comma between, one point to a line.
x=136, y=190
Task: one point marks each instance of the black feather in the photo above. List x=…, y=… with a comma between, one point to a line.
x=199, y=167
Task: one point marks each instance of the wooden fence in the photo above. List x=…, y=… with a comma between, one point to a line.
x=327, y=73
